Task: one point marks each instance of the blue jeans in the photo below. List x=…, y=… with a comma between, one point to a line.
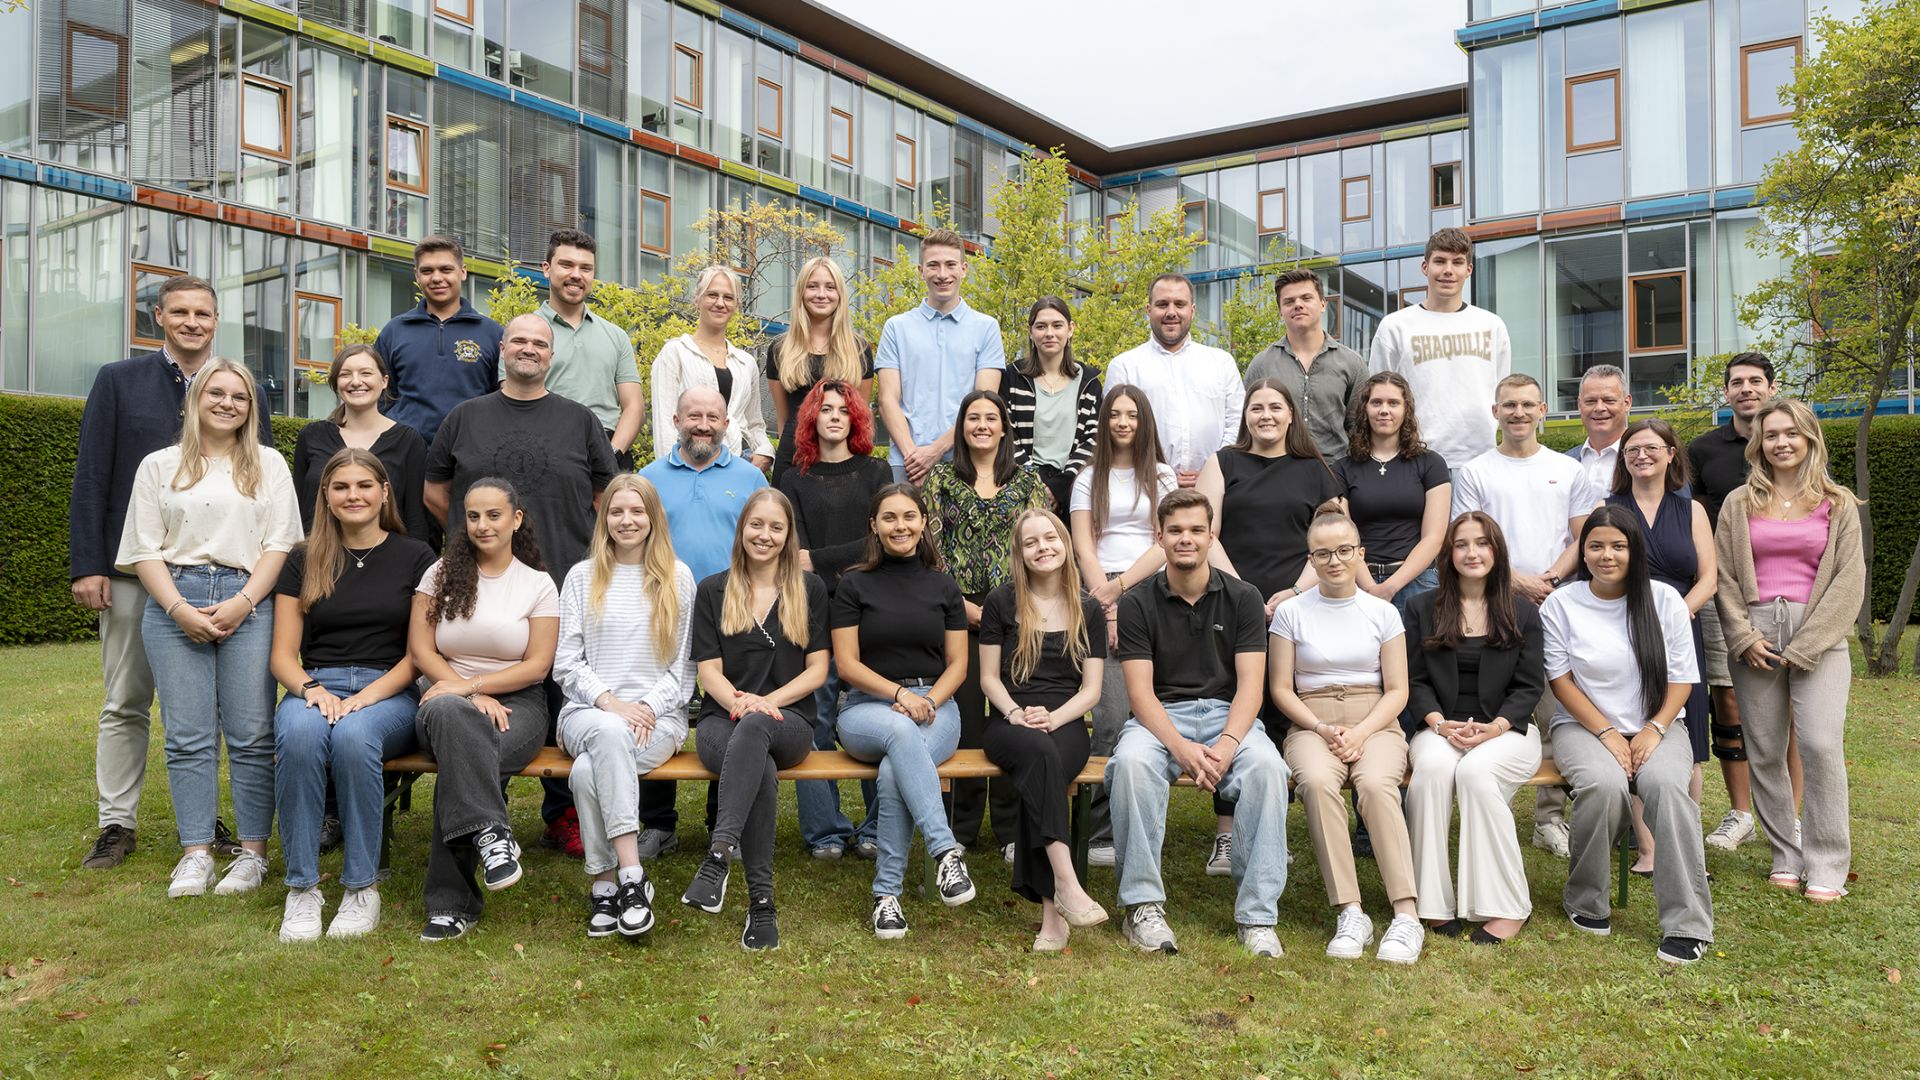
x=1139, y=775
x=909, y=787
x=1426, y=582
x=354, y=750
x=821, y=822
x=209, y=692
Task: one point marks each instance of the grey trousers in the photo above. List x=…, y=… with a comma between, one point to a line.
x=474, y=757
x=1776, y=705
x=126, y=716
x=1601, y=811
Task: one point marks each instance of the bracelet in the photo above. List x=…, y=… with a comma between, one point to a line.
x=1657, y=726
x=1230, y=735
x=251, y=606
x=176, y=603
x=897, y=691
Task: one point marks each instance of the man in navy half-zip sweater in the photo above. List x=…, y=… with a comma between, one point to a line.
x=440, y=353
x=134, y=409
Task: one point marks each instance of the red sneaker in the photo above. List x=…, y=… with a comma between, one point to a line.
x=564, y=834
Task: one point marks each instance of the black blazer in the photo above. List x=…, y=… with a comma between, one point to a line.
x=1511, y=680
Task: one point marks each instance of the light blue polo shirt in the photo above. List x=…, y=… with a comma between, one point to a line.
x=937, y=354
x=703, y=506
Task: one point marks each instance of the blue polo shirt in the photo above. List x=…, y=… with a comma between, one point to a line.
x=703, y=506
x=437, y=364
x=937, y=354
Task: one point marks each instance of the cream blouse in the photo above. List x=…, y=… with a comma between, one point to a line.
x=210, y=523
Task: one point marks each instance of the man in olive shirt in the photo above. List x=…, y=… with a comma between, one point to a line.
x=592, y=358
x=1323, y=375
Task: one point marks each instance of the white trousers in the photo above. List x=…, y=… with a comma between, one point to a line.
x=1492, y=879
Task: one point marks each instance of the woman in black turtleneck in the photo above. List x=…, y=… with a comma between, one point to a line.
x=900, y=642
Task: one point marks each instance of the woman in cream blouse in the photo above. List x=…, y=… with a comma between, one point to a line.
x=706, y=358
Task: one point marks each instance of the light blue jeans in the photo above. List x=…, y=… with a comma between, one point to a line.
x=354, y=750
x=210, y=692
x=821, y=822
x=1139, y=775
x=607, y=766
x=909, y=756
x=1427, y=581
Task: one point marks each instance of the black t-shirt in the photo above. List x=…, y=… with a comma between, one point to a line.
x=553, y=450
x=1719, y=460
x=816, y=366
x=904, y=611
x=364, y=622
x=751, y=663
x=1192, y=646
x=400, y=450
x=1388, y=499
x=1055, y=678
x=1264, y=513
x=830, y=504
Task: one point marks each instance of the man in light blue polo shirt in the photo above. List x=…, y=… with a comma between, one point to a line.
x=931, y=357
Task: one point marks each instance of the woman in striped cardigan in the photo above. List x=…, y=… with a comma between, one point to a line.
x=1053, y=400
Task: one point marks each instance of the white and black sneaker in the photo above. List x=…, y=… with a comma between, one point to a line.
x=955, y=884
x=1681, y=950
x=1220, y=862
x=499, y=856
x=889, y=922
x=1598, y=927
x=603, y=914
x=708, y=889
x=445, y=928
x=1146, y=926
x=634, y=905
x=762, y=931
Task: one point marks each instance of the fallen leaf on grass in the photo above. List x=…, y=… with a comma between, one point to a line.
x=705, y=1020
x=1033, y=980
x=9, y=972
x=824, y=991
x=578, y=985
x=496, y=1046
x=1247, y=999
x=15, y=882
x=914, y=1000
x=739, y=1070
x=1380, y=1033
x=1523, y=1068
x=520, y=950
x=36, y=962
x=40, y=895
x=74, y=1015
x=388, y=962
x=1893, y=976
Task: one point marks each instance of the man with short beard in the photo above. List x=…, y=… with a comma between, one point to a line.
x=1195, y=389
x=592, y=358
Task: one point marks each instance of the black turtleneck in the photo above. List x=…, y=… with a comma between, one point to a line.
x=904, y=611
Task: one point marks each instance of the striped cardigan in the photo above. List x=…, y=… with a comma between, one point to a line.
x=1019, y=392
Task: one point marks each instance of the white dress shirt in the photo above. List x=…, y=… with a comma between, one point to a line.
x=1196, y=396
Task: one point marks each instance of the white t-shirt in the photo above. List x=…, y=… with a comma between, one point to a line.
x=1587, y=636
x=1532, y=498
x=495, y=637
x=1336, y=642
x=210, y=523
x=1453, y=360
x=1129, y=527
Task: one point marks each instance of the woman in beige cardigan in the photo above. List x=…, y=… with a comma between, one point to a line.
x=706, y=358
x=1792, y=578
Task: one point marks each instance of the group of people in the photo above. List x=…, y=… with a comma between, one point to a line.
x=1332, y=573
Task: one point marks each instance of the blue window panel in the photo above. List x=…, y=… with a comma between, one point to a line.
x=474, y=82
x=86, y=183
x=542, y=105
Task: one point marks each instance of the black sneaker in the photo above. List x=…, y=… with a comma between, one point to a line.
x=889, y=923
x=224, y=842
x=499, y=856
x=635, y=905
x=762, y=931
x=1681, y=950
x=1599, y=927
x=956, y=886
x=329, y=834
x=603, y=914
x=110, y=848
x=708, y=889
x=445, y=928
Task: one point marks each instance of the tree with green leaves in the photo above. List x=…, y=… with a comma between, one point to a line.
x=1250, y=316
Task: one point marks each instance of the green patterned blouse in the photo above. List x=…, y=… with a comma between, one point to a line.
x=975, y=535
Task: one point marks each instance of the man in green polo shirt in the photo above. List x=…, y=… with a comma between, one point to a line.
x=592, y=358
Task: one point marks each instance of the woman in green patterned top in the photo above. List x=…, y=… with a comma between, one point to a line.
x=972, y=503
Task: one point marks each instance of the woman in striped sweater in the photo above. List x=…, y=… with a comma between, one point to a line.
x=1054, y=401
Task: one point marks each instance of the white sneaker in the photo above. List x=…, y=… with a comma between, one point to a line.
x=1351, y=935
x=1146, y=926
x=1220, y=863
x=359, y=913
x=191, y=875
x=1554, y=836
x=1261, y=941
x=301, y=921
x=1100, y=855
x=244, y=875
x=1007, y=854
x=1403, y=941
x=1735, y=828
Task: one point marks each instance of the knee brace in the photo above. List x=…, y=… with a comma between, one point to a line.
x=1727, y=742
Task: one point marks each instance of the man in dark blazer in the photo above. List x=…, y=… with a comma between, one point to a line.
x=134, y=409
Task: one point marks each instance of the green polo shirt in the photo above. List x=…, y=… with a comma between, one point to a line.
x=589, y=362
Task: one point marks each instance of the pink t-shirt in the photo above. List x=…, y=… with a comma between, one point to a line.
x=495, y=638
x=1786, y=554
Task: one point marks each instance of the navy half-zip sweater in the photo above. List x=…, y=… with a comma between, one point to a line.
x=436, y=365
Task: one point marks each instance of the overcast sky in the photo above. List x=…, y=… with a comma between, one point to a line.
x=1131, y=71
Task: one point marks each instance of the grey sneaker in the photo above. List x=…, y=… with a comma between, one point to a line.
x=1146, y=926
x=1352, y=933
x=1100, y=855
x=657, y=842
x=1554, y=836
x=1220, y=863
x=1735, y=828
x=1261, y=941
x=301, y=919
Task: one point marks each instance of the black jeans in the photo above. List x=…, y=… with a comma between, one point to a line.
x=1039, y=766
x=748, y=755
x=473, y=756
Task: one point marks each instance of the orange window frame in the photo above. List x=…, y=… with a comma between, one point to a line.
x=460, y=11
x=1433, y=183
x=310, y=363
x=666, y=216
x=1581, y=80
x=1346, y=187
x=1634, y=348
x=1746, y=52
x=134, y=272
x=285, y=93
x=426, y=144
x=779, y=128
x=693, y=57
x=832, y=134
x=913, y=161
x=1273, y=226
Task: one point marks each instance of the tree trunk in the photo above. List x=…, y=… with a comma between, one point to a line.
x=1887, y=660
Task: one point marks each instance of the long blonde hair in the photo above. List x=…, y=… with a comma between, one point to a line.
x=326, y=544
x=656, y=560
x=1814, y=478
x=736, y=605
x=1026, y=650
x=245, y=455
x=792, y=352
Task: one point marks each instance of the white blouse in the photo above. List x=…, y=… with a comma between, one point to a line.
x=680, y=366
x=210, y=523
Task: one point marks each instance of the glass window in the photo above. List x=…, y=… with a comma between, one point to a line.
x=936, y=163
x=264, y=116
x=608, y=195
x=772, y=74
x=688, y=80
x=1445, y=185
x=1237, y=230
x=331, y=140
x=1737, y=270
x=96, y=70
x=904, y=162
x=1506, y=279
x=733, y=93
x=1493, y=9
x=1593, y=112
x=80, y=279
x=841, y=143
x=256, y=300
x=692, y=197
x=1273, y=211
x=1356, y=198
x=1769, y=20
x=649, y=48
x=770, y=109
x=316, y=321
x=543, y=48
x=406, y=155
x=402, y=22
x=16, y=78
x=601, y=59
x=457, y=10
x=469, y=169
x=1657, y=312
x=1584, y=304
x=1766, y=71
x=1408, y=192
x=145, y=293
x=1667, y=100
x=656, y=217
x=692, y=37
x=1319, y=196
x=809, y=125
x=1506, y=129
x=176, y=97
x=876, y=150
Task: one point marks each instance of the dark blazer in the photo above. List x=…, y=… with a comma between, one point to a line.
x=1511, y=680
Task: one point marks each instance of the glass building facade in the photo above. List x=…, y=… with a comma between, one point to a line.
x=292, y=150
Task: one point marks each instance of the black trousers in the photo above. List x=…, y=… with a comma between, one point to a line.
x=748, y=755
x=1039, y=766
x=971, y=797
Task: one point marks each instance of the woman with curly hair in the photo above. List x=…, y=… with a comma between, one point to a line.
x=485, y=619
x=1398, y=491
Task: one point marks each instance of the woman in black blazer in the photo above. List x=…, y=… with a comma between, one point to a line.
x=1476, y=670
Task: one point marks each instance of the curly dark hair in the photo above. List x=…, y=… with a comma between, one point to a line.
x=1360, y=432
x=458, y=582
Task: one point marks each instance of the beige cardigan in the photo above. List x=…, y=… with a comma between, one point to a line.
x=681, y=365
x=1838, y=587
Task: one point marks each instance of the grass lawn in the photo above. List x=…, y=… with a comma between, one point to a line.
x=105, y=977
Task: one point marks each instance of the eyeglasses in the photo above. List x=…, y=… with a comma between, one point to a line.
x=1327, y=555
x=1645, y=451
x=222, y=395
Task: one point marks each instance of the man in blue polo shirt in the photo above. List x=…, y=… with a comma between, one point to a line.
x=931, y=357
x=703, y=487
x=443, y=352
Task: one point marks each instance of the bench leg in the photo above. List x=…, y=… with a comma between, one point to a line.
x=398, y=789
x=1082, y=811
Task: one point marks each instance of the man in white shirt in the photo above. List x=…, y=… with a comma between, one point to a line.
x=1452, y=353
x=1540, y=499
x=1604, y=403
x=1195, y=389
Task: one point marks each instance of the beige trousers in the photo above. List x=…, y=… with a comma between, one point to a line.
x=1319, y=779
x=120, y=754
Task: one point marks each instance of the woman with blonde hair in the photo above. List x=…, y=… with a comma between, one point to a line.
x=1791, y=581
x=707, y=358
x=625, y=618
x=209, y=524
x=819, y=345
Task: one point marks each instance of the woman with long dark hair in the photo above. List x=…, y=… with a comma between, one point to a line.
x=1054, y=401
x=485, y=621
x=360, y=382
x=819, y=345
x=1475, y=674
x=1397, y=491
x=1619, y=655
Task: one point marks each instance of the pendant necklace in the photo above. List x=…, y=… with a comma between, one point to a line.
x=1381, y=463
x=359, y=560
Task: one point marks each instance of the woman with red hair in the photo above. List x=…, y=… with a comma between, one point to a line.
x=831, y=484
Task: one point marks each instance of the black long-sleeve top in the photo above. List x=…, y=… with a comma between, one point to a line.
x=831, y=501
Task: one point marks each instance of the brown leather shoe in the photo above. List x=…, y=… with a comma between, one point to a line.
x=110, y=848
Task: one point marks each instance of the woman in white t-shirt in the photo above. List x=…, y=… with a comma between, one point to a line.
x=1337, y=669
x=1112, y=523
x=1619, y=653
x=485, y=619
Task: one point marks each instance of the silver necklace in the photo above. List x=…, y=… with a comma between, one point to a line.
x=1382, y=462
x=359, y=560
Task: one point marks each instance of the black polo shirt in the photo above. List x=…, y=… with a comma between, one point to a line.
x=1719, y=461
x=1192, y=646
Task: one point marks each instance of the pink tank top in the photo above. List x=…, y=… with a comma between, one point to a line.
x=1786, y=554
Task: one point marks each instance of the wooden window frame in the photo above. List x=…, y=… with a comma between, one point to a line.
x=1567, y=95
x=1260, y=211
x=1403, y=294
x=881, y=262
x=134, y=270
x=581, y=52
x=447, y=9
x=666, y=212
x=699, y=61
x=832, y=155
x=1107, y=224
x=913, y=161
x=778, y=131
x=426, y=144
x=1189, y=205
x=285, y=153
x=123, y=75
x=1345, y=183
x=1746, y=52
x=1433, y=174
x=303, y=363
x=1634, y=348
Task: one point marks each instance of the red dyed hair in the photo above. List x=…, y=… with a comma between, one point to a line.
x=806, y=431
